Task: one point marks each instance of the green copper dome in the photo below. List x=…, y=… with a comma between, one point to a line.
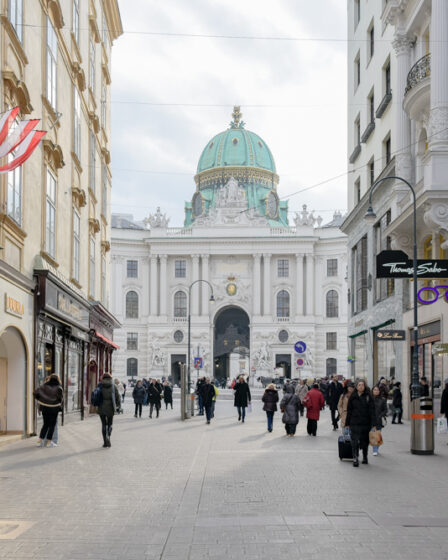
x=236, y=147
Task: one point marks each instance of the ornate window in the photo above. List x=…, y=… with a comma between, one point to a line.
x=52, y=63
x=50, y=215
x=332, y=300
x=132, y=367
x=132, y=341
x=132, y=305
x=283, y=304
x=331, y=366
x=76, y=244
x=16, y=17
x=180, y=269
x=132, y=269
x=283, y=268
x=180, y=304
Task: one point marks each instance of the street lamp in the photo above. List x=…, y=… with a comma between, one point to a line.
x=371, y=218
x=211, y=300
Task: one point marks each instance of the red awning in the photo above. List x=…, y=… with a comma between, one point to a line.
x=99, y=335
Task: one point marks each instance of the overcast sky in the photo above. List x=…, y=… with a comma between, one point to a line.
x=155, y=149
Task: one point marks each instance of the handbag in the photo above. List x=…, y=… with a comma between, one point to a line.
x=442, y=425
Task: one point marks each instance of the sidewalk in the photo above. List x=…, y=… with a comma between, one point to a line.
x=176, y=490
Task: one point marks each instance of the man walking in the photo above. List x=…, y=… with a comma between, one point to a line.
x=208, y=394
x=334, y=393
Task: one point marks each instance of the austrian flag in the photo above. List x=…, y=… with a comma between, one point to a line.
x=20, y=138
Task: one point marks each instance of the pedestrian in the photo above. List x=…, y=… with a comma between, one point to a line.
x=214, y=399
x=333, y=395
x=124, y=393
x=314, y=402
x=110, y=402
x=424, y=391
x=145, y=385
x=342, y=404
x=119, y=385
x=208, y=394
x=154, y=397
x=199, y=384
x=168, y=395
x=270, y=399
x=290, y=407
x=397, y=403
x=380, y=412
x=138, y=394
x=49, y=397
x=301, y=391
x=242, y=397
x=361, y=418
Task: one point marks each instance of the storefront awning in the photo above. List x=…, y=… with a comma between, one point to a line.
x=357, y=334
x=389, y=322
x=99, y=335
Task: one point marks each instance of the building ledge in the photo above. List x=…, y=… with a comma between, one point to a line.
x=367, y=132
x=355, y=154
x=383, y=105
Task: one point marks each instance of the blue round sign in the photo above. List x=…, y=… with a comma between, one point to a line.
x=300, y=347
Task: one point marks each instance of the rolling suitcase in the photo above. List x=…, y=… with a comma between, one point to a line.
x=345, y=448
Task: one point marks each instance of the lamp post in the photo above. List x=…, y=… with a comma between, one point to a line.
x=371, y=218
x=212, y=299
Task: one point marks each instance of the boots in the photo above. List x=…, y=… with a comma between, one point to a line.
x=364, y=458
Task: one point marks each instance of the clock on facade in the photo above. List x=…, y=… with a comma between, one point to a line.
x=272, y=204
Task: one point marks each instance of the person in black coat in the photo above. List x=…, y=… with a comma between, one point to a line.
x=361, y=418
x=154, y=397
x=444, y=401
x=242, y=397
x=208, y=394
x=138, y=395
x=270, y=399
x=397, y=403
x=168, y=394
x=334, y=393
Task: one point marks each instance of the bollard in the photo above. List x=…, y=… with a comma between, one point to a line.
x=422, y=426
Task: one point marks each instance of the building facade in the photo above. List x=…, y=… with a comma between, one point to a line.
x=273, y=284
x=418, y=78
x=55, y=209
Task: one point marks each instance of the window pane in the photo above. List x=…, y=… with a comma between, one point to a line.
x=132, y=269
x=332, y=303
x=332, y=267
x=76, y=244
x=52, y=51
x=283, y=304
x=331, y=341
x=92, y=268
x=180, y=304
x=132, y=367
x=92, y=162
x=180, y=269
x=132, y=341
x=76, y=20
x=283, y=268
x=131, y=305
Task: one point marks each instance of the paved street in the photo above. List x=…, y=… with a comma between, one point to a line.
x=189, y=491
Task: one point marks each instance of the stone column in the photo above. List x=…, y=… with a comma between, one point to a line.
x=205, y=288
x=145, y=281
x=195, y=288
x=163, y=283
x=402, y=45
x=300, y=284
x=256, y=284
x=153, y=287
x=267, y=291
x=309, y=284
x=318, y=281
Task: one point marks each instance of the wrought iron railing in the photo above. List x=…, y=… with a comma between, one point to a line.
x=419, y=72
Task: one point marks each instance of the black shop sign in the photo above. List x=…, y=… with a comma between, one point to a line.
x=387, y=334
x=396, y=264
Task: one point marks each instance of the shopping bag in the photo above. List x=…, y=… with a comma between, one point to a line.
x=375, y=437
x=442, y=425
x=249, y=407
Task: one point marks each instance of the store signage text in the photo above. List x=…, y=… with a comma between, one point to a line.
x=396, y=264
x=67, y=306
x=14, y=307
x=390, y=335
x=433, y=295
x=440, y=348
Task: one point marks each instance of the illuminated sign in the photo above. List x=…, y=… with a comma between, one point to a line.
x=431, y=294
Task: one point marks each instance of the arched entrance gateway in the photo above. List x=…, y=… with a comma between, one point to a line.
x=231, y=344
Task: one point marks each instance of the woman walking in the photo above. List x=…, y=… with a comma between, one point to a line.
x=380, y=413
x=361, y=418
x=154, y=397
x=397, y=403
x=314, y=402
x=111, y=401
x=290, y=407
x=242, y=397
x=270, y=400
x=168, y=394
x=301, y=391
x=50, y=398
x=138, y=394
x=342, y=404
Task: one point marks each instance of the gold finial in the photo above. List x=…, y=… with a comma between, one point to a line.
x=237, y=122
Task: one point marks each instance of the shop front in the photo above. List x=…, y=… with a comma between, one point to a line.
x=430, y=361
x=62, y=339
x=359, y=349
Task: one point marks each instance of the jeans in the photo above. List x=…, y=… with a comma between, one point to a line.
x=311, y=427
x=151, y=408
x=208, y=411
x=376, y=447
x=138, y=409
x=241, y=412
x=106, y=425
x=270, y=417
x=50, y=416
x=213, y=408
x=55, y=437
x=290, y=428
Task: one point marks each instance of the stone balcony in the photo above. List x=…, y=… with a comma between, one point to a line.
x=418, y=88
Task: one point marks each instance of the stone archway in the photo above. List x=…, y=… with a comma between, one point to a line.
x=231, y=344
x=13, y=368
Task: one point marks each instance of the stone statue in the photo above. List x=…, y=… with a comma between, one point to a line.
x=157, y=356
x=262, y=357
x=306, y=218
x=157, y=220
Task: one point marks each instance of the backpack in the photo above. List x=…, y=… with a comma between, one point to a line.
x=96, y=398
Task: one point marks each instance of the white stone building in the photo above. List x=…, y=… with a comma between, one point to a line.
x=273, y=284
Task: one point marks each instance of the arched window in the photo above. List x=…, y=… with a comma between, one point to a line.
x=132, y=305
x=180, y=304
x=332, y=304
x=132, y=367
x=283, y=304
x=331, y=366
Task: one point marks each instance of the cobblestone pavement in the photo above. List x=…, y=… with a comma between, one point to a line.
x=172, y=490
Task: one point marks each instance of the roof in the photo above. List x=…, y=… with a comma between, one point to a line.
x=124, y=221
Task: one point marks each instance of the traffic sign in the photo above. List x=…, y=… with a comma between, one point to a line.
x=300, y=362
x=198, y=363
x=300, y=347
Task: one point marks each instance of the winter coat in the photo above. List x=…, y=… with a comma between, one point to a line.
x=270, y=399
x=301, y=392
x=154, y=393
x=120, y=387
x=139, y=394
x=208, y=393
x=342, y=408
x=333, y=394
x=361, y=411
x=242, y=394
x=397, y=398
x=424, y=390
x=290, y=406
x=168, y=394
x=380, y=410
x=49, y=394
x=444, y=402
x=316, y=402
x=108, y=406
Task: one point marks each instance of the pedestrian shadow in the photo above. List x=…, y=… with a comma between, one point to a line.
x=256, y=437
x=49, y=459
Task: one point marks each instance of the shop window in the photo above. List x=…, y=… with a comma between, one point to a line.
x=332, y=340
x=132, y=269
x=132, y=367
x=132, y=305
x=331, y=366
x=332, y=303
x=73, y=382
x=283, y=268
x=332, y=267
x=180, y=304
x=283, y=303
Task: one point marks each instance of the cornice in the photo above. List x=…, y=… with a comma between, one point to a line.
x=113, y=18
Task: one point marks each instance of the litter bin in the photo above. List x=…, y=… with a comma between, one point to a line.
x=422, y=426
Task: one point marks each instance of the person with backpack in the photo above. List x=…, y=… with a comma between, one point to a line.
x=314, y=403
x=361, y=418
x=138, y=395
x=50, y=398
x=290, y=407
x=270, y=400
x=108, y=397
